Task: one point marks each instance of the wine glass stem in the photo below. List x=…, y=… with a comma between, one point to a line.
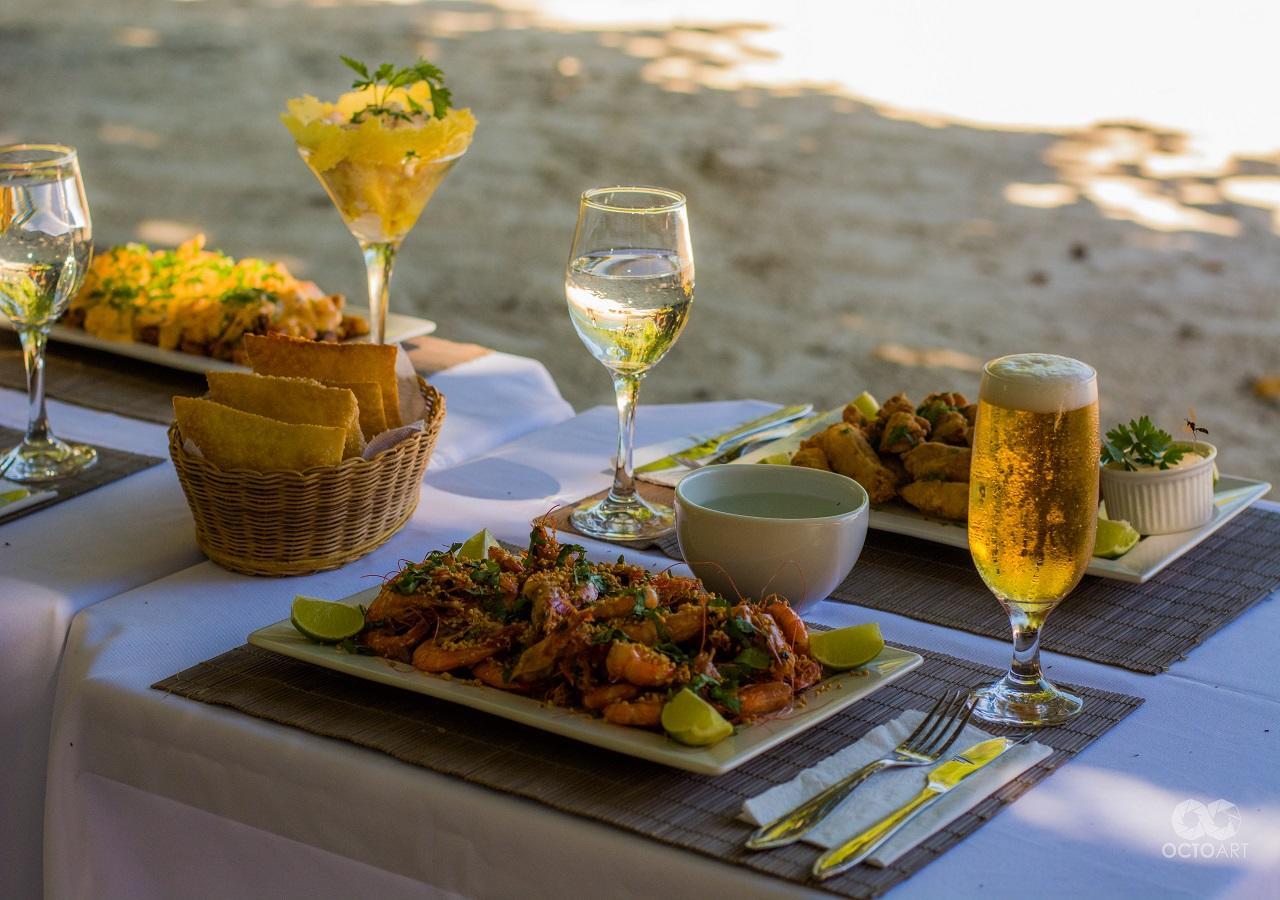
x=379, y=259
x=627, y=389
x=1025, y=667
x=33, y=345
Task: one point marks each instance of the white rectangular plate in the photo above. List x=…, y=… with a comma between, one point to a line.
x=399, y=328
x=823, y=701
x=1232, y=496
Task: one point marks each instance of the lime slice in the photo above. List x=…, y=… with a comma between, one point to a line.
x=1216, y=476
x=1115, y=538
x=776, y=459
x=14, y=496
x=689, y=719
x=846, y=648
x=866, y=404
x=324, y=620
x=477, y=546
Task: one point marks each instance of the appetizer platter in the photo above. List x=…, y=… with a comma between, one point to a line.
x=189, y=308
x=651, y=665
x=913, y=460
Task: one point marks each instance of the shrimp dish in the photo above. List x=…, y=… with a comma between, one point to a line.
x=611, y=639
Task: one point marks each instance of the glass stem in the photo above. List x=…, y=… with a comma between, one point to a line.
x=379, y=258
x=627, y=389
x=33, y=345
x=1024, y=670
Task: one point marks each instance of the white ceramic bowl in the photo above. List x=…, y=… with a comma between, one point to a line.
x=754, y=530
x=1156, y=501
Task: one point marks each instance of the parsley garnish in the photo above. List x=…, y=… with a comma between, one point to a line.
x=1141, y=443
x=387, y=78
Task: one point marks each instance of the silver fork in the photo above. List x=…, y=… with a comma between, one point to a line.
x=924, y=746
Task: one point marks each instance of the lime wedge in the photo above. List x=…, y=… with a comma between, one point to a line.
x=477, y=546
x=866, y=404
x=14, y=496
x=689, y=719
x=1115, y=538
x=1216, y=476
x=776, y=459
x=325, y=621
x=846, y=648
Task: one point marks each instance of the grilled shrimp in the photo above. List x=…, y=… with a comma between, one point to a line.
x=598, y=698
x=678, y=626
x=766, y=697
x=489, y=671
x=639, y=665
x=430, y=657
x=793, y=627
x=643, y=713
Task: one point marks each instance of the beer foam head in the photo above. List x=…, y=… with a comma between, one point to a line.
x=1039, y=382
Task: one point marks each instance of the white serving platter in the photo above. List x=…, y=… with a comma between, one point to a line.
x=822, y=701
x=1232, y=496
x=399, y=328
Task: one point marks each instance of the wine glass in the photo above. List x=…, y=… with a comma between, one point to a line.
x=45, y=249
x=629, y=285
x=1033, y=512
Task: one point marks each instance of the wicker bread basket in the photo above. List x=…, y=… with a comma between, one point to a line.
x=296, y=523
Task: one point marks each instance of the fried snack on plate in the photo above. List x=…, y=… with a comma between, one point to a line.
x=944, y=499
x=899, y=402
x=373, y=419
x=902, y=431
x=234, y=439
x=811, y=458
x=942, y=462
x=849, y=454
x=298, y=401
x=952, y=428
x=278, y=355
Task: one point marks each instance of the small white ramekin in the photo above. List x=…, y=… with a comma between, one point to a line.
x=1162, y=501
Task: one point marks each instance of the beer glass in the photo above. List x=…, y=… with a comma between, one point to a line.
x=1033, y=508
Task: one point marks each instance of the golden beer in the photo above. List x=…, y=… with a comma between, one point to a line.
x=1033, y=500
x=1033, y=511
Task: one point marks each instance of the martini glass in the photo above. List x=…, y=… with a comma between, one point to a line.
x=380, y=202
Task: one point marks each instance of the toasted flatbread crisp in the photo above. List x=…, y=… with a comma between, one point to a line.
x=373, y=420
x=298, y=401
x=276, y=354
x=235, y=439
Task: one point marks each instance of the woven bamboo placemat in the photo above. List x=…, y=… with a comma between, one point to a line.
x=142, y=390
x=112, y=465
x=693, y=812
x=1140, y=627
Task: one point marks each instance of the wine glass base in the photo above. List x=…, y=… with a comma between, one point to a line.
x=612, y=519
x=1008, y=702
x=47, y=460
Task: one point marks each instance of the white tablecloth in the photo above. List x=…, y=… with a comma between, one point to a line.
x=152, y=795
x=55, y=562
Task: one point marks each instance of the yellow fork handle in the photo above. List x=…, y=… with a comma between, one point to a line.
x=860, y=846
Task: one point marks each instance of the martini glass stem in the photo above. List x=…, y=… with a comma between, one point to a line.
x=33, y=347
x=379, y=259
x=627, y=389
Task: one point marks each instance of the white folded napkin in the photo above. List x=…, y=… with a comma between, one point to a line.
x=887, y=791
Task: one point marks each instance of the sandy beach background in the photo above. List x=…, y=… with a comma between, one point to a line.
x=880, y=198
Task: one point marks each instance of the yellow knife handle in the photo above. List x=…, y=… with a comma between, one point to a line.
x=860, y=846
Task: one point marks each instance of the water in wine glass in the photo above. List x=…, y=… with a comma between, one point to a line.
x=629, y=306
x=44, y=248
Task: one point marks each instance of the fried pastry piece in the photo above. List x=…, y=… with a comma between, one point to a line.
x=894, y=465
x=811, y=458
x=298, y=401
x=970, y=413
x=938, y=462
x=952, y=428
x=234, y=439
x=902, y=431
x=869, y=427
x=897, y=403
x=944, y=499
x=849, y=454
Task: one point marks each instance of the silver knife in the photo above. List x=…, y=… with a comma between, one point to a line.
x=942, y=779
x=711, y=445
